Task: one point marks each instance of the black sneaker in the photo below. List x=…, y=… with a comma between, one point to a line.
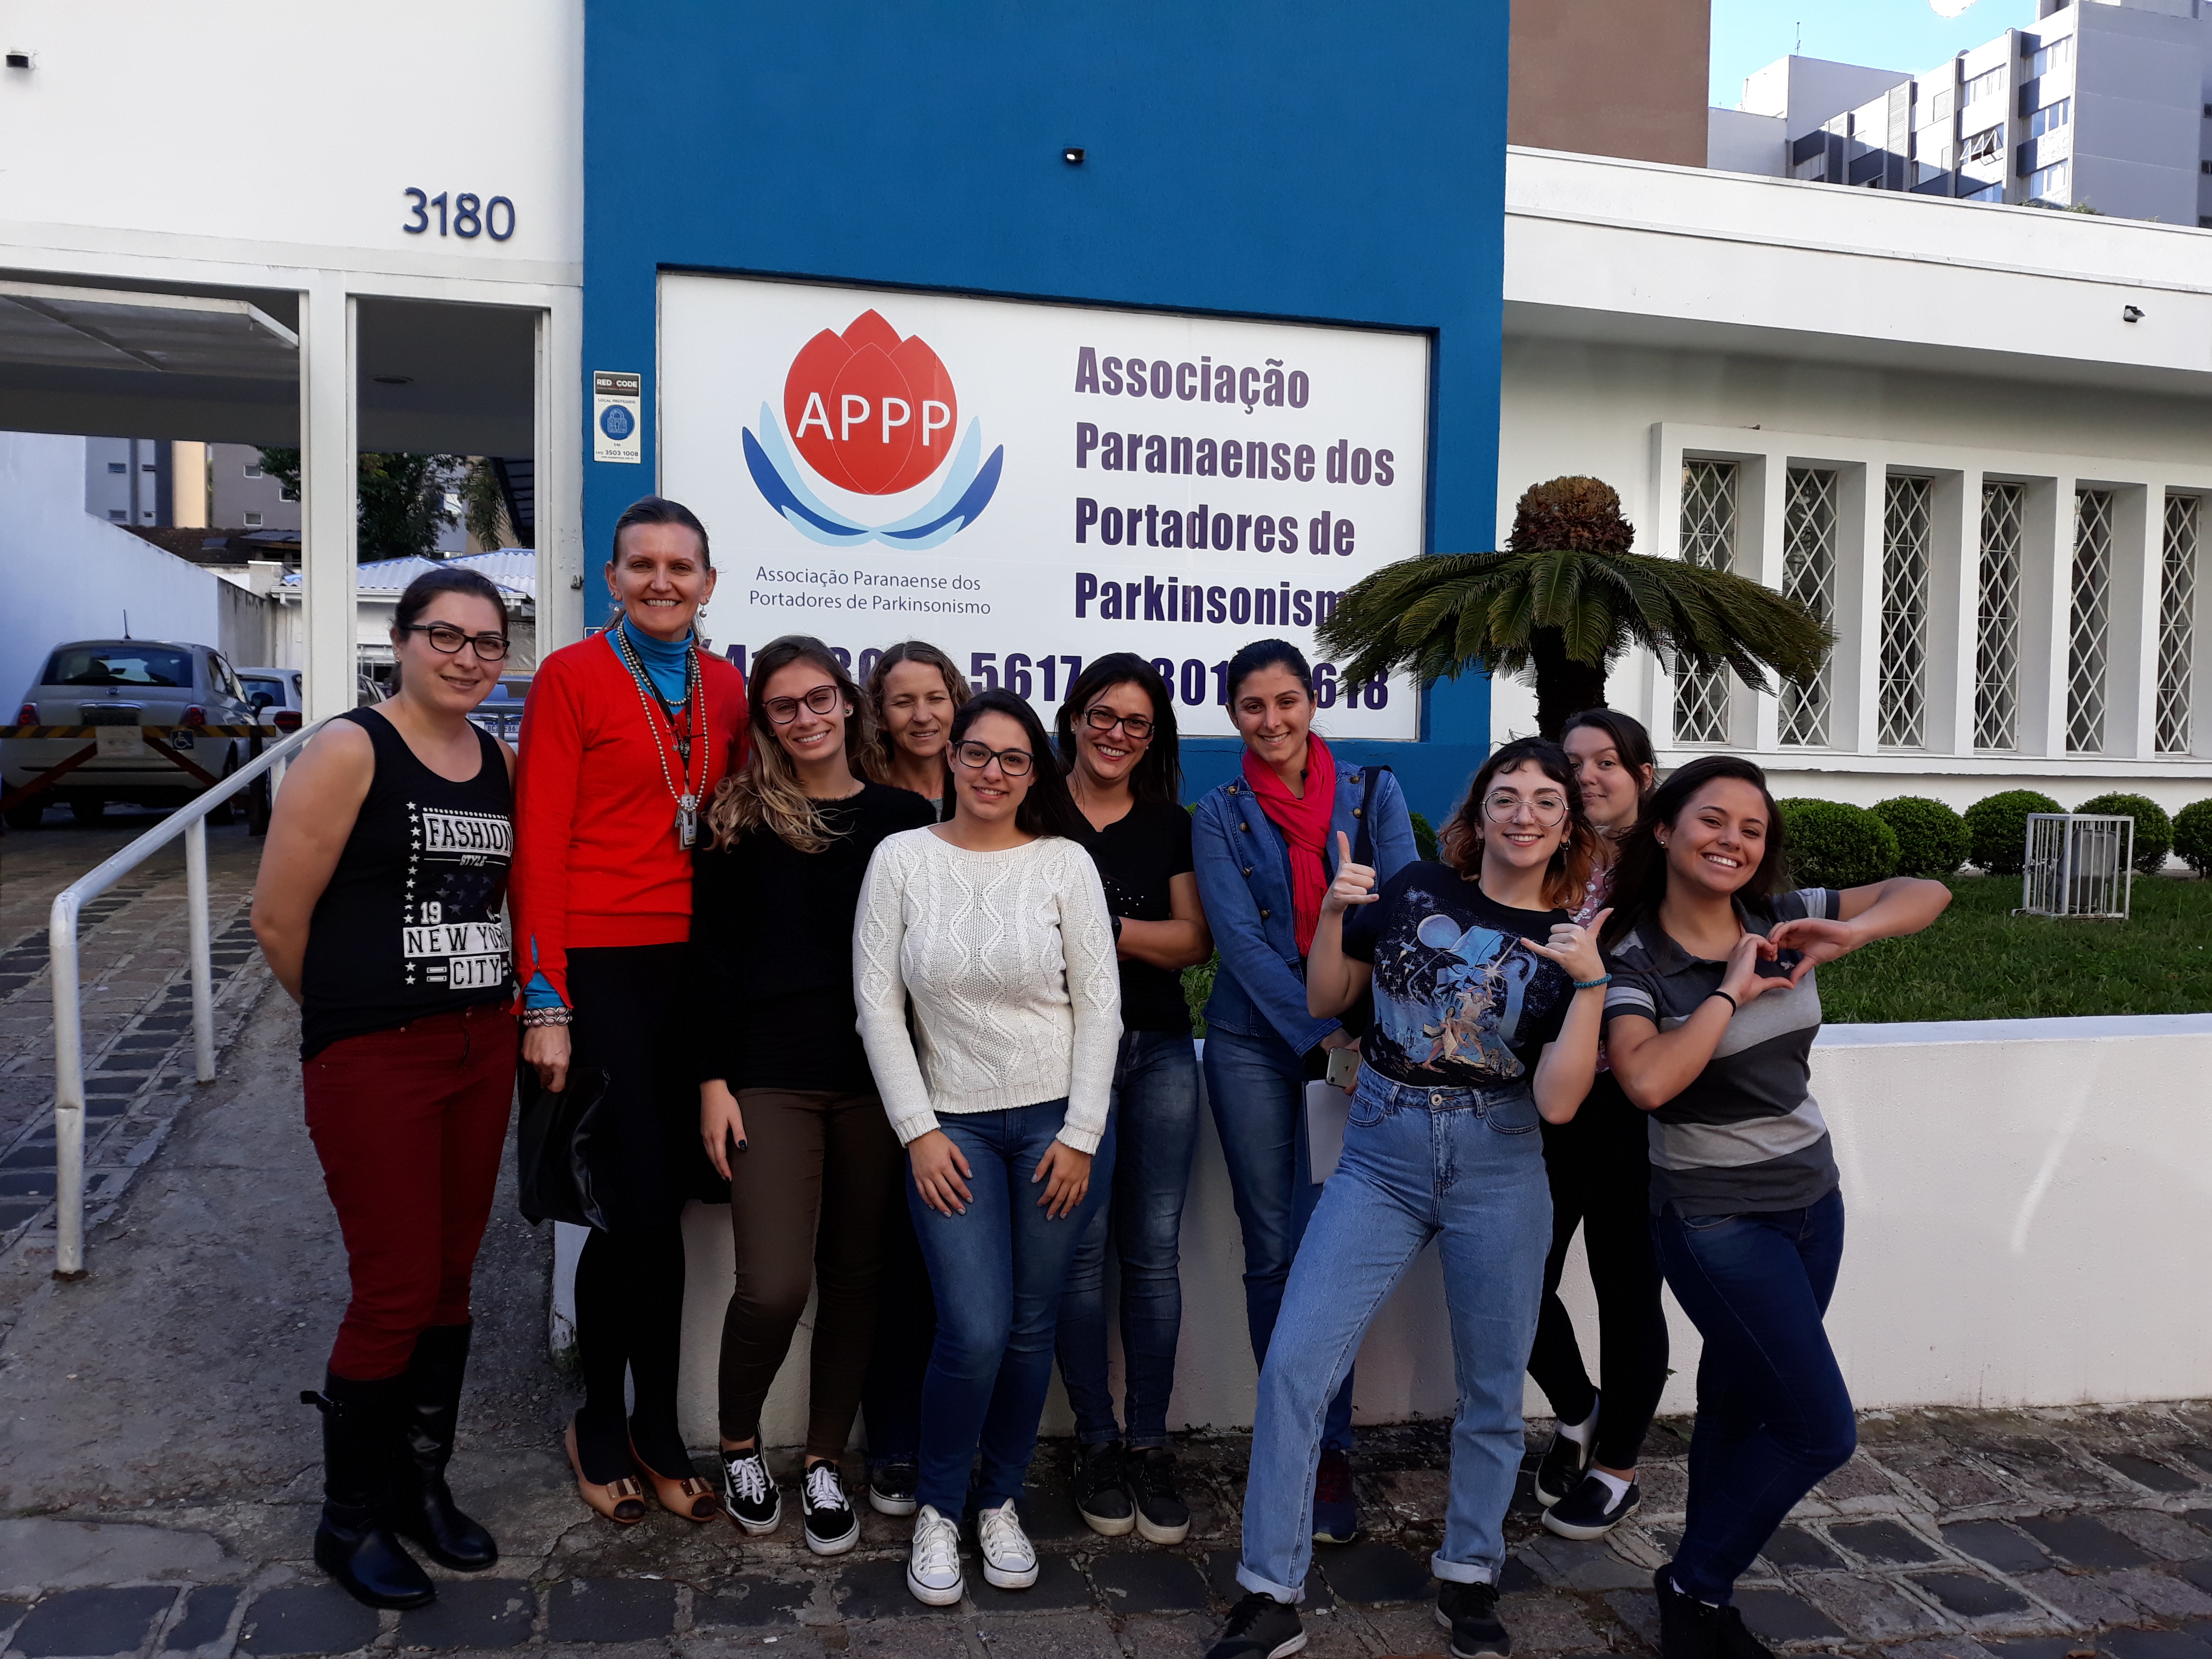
x=1336, y=1504
x=1688, y=1628
x=890, y=1487
x=1591, y=1511
x=831, y=1527
x=1735, y=1641
x=749, y=1491
x=1469, y=1612
x=1260, y=1627
x=1162, y=1516
x=1102, y=1490
x=1561, y=1469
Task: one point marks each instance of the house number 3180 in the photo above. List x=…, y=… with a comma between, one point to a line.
x=466, y=215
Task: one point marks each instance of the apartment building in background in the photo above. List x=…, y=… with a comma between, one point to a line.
x=241, y=496
x=2104, y=105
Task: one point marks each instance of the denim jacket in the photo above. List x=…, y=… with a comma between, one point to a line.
x=1244, y=879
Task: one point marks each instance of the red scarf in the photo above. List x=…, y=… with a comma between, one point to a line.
x=1304, y=821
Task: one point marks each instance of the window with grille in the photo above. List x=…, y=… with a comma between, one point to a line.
x=1809, y=576
x=1901, y=703
x=2089, y=626
x=1996, y=624
x=2177, y=623
x=1701, y=701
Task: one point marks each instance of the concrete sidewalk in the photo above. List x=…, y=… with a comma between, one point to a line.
x=162, y=1481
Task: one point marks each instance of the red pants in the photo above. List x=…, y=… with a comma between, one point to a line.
x=409, y=1124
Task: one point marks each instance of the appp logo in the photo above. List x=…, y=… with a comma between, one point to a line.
x=871, y=415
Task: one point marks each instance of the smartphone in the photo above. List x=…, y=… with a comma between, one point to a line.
x=1344, y=1068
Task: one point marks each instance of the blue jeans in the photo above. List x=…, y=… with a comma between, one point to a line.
x=1156, y=1126
x=1465, y=1167
x=1257, y=1089
x=1773, y=1417
x=998, y=1271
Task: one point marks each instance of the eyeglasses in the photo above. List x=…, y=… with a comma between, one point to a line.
x=1102, y=719
x=1504, y=808
x=444, y=636
x=784, y=710
x=1014, y=763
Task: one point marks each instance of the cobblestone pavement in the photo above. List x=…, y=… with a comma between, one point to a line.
x=158, y=1484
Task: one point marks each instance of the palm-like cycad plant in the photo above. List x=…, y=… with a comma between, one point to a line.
x=1567, y=598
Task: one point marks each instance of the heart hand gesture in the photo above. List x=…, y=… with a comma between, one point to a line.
x=1575, y=948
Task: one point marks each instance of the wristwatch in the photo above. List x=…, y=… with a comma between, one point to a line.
x=1117, y=920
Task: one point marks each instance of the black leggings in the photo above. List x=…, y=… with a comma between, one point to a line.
x=629, y=1320
x=1600, y=1174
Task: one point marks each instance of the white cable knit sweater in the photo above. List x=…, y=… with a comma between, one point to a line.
x=1009, y=959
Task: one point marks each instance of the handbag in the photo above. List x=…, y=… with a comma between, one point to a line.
x=552, y=1148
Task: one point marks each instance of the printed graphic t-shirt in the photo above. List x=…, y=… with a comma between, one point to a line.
x=1459, y=1000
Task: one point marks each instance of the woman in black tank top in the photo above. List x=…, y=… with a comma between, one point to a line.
x=380, y=907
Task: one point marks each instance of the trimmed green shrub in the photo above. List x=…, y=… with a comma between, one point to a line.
x=1998, y=825
x=1833, y=845
x=1931, y=839
x=1424, y=839
x=2153, y=830
x=2192, y=835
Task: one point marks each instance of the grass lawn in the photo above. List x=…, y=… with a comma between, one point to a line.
x=1981, y=962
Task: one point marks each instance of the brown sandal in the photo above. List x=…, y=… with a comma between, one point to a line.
x=622, y=1502
x=691, y=1498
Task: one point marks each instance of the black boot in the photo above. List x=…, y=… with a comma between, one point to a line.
x=361, y=1443
x=421, y=1507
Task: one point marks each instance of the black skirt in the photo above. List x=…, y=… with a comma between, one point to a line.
x=633, y=1005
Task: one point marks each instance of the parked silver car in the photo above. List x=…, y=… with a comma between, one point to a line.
x=125, y=683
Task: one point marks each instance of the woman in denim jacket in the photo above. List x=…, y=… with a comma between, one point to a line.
x=1265, y=849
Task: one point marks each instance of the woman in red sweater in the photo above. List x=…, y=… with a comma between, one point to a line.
x=624, y=739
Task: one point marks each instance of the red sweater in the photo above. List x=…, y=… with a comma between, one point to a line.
x=595, y=858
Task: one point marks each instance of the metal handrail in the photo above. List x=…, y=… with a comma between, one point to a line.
x=190, y=823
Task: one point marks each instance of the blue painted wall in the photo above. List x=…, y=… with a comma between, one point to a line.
x=1305, y=159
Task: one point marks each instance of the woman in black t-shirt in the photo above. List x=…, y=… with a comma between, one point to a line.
x=378, y=907
x=787, y=1108
x=1117, y=740
x=1488, y=998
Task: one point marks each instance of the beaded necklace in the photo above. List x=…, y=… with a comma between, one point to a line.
x=695, y=692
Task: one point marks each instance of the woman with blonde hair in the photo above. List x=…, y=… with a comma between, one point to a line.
x=916, y=690
x=788, y=1107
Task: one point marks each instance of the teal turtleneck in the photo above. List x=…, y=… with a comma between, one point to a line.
x=663, y=660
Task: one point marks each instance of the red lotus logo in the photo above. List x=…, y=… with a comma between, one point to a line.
x=870, y=412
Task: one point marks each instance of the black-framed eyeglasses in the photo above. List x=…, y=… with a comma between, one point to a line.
x=784, y=710
x=444, y=636
x=1503, y=808
x=1014, y=763
x=1102, y=719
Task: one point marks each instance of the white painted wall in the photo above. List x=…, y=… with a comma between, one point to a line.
x=2022, y=1194
x=1739, y=141
x=68, y=575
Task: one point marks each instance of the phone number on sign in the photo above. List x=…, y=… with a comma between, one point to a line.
x=1041, y=675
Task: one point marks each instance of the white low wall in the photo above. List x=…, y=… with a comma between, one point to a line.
x=2030, y=1215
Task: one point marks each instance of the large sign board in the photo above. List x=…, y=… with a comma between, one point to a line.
x=1033, y=486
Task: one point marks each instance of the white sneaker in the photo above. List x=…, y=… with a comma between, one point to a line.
x=1009, y=1562
x=933, y=1564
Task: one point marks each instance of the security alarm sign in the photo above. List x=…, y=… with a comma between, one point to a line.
x=617, y=417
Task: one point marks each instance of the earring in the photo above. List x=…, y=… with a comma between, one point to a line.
x=702, y=610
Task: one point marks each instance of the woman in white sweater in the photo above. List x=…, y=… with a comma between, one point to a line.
x=993, y=926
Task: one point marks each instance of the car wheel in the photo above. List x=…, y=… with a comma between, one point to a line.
x=27, y=816
x=87, y=811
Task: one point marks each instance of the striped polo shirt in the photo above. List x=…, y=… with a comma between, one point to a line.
x=1747, y=1134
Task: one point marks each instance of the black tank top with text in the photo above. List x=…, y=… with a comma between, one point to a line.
x=413, y=922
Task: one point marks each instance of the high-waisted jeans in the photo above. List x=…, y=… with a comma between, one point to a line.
x=1155, y=1132
x=1465, y=1167
x=997, y=1269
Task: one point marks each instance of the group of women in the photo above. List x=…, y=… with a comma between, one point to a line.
x=897, y=975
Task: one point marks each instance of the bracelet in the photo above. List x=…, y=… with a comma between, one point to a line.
x=553, y=1016
x=1735, y=1007
x=1117, y=920
x=1592, y=984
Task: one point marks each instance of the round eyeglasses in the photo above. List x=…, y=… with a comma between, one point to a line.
x=1504, y=808
x=784, y=710
x=1102, y=719
x=444, y=636
x=1014, y=763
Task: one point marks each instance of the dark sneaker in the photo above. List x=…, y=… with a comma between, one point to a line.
x=1561, y=1469
x=1102, y=1490
x=748, y=1491
x=1260, y=1627
x=890, y=1488
x=1469, y=1612
x=1162, y=1516
x=1591, y=1511
x=1335, y=1505
x=1735, y=1642
x=831, y=1527
x=1688, y=1628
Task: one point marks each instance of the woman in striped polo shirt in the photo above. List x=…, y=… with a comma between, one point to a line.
x=1709, y=1025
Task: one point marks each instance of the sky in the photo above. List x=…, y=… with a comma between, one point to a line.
x=1900, y=34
